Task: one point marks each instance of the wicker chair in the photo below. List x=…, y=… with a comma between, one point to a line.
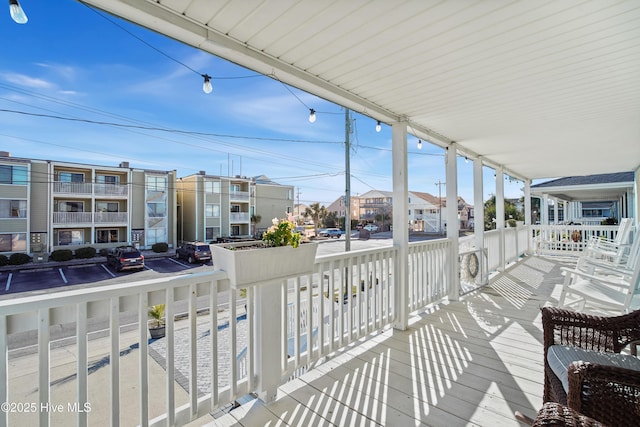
x=608, y=394
x=556, y=415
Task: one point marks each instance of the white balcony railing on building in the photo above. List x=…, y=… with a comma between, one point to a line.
x=110, y=217
x=78, y=218
x=239, y=217
x=111, y=190
x=72, y=218
x=72, y=187
x=239, y=196
x=87, y=188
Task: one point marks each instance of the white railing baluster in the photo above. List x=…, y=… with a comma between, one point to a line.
x=82, y=364
x=193, y=350
x=4, y=370
x=170, y=358
x=296, y=325
x=233, y=344
x=143, y=375
x=114, y=359
x=213, y=330
x=43, y=364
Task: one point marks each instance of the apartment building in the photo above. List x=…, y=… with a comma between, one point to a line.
x=211, y=206
x=47, y=205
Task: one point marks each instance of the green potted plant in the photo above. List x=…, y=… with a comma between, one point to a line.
x=156, y=325
x=279, y=254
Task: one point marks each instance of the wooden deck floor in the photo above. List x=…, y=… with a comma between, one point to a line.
x=472, y=362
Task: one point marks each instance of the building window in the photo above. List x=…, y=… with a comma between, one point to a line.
x=107, y=207
x=156, y=183
x=13, y=175
x=13, y=242
x=66, y=206
x=212, y=210
x=108, y=179
x=235, y=208
x=156, y=235
x=13, y=208
x=107, y=236
x=212, y=187
x=70, y=177
x=70, y=237
x=211, y=233
x=235, y=230
x=156, y=210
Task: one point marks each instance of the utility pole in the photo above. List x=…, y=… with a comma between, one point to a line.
x=347, y=177
x=440, y=184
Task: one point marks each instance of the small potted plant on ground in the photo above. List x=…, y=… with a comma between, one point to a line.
x=156, y=325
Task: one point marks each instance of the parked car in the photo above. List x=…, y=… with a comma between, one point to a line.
x=194, y=252
x=331, y=232
x=371, y=227
x=125, y=258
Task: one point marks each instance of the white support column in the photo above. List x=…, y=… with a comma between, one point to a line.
x=478, y=203
x=453, y=226
x=635, y=206
x=500, y=213
x=555, y=211
x=527, y=213
x=400, y=223
x=544, y=210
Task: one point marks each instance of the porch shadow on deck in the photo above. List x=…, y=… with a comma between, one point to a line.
x=471, y=362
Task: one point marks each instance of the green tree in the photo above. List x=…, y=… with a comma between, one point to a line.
x=317, y=213
x=511, y=211
x=255, y=219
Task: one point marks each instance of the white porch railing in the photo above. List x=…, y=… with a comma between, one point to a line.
x=208, y=360
x=568, y=239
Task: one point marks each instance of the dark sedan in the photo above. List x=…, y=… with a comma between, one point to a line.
x=125, y=258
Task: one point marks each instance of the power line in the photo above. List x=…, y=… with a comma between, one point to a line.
x=169, y=130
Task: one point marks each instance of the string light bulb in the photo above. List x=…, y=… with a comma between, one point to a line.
x=378, y=126
x=419, y=144
x=17, y=13
x=207, y=87
x=312, y=115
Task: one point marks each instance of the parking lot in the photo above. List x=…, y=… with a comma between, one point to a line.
x=52, y=276
x=47, y=277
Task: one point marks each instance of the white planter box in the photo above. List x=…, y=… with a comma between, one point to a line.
x=247, y=267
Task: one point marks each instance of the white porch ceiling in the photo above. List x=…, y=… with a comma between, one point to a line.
x=545, y=89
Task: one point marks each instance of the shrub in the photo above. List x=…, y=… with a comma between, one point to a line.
x=3, y=260
x=160, y=247
x=104, y=252
x=19, y=259
x=61, y=255
x=87, y=252
x=609, y=221
x=512, y=223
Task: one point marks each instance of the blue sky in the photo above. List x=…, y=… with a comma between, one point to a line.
x=71, y=72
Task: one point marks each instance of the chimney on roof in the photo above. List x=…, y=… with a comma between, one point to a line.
x=202, y=172
x=124, y=164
